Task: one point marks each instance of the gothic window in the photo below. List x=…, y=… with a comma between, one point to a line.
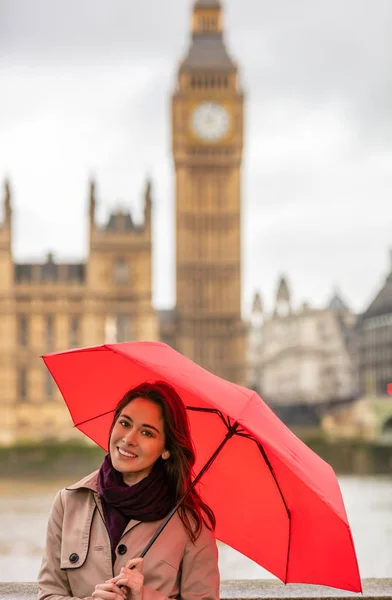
x=118, y=328
x=124, y=328
x=22, y=384
x=49, y=384
x=74, y=327
x=49, y=326
x=23, y=334
x=121, y=271
x=110, y=330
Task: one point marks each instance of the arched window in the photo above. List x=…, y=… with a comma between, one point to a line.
x=74, y=329
x=121, y=271
x=22, y=384
x=50, y=332
x=49, y=385
x=124, y=328
x=23, y=333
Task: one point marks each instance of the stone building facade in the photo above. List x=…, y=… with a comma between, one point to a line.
x=207, y=139
x=374, y=342
x=53, y=306
x=108, y=298
x=305, y=356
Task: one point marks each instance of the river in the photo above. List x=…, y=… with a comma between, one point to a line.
x=24, y=508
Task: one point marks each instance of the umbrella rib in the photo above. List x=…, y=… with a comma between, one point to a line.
x=215, y=411
x=267, y=462
x=210, y=410
x=264, y=454
x=93, y=418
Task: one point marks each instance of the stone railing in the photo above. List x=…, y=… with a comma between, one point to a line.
x=247, y=590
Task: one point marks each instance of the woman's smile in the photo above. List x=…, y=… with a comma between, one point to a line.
x=126, y=453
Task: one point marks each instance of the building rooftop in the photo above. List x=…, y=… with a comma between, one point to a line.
x=207, y=4
x=50, y=271
x=120, y=221
x=207, y=52
x=337, y=304
x=382, y=303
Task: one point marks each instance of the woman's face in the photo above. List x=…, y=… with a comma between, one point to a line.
x=137, y=440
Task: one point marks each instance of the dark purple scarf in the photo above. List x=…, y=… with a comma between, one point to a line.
x=148, y=500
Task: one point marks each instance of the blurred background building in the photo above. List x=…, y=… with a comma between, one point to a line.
x=325, y=367
x=302, y=361
x=370, y=416
x=51, y=306
x=207, y=142
x=316, y=366
x=107, y=299
x=375, y=342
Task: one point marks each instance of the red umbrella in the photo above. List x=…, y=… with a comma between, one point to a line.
x=274, y=499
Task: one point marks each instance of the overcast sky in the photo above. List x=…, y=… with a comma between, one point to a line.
x=85, y=89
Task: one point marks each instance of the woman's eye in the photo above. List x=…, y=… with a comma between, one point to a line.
x=147, y=433
x=124, y=423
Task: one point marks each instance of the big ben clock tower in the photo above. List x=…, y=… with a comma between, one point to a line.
x=207, y=120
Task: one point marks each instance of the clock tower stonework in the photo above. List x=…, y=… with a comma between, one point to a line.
x=207, y=129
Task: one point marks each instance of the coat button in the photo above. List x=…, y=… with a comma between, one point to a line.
x=73, y=558
x=122, y=549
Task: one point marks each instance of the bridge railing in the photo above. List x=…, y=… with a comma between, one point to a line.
x=375, y=589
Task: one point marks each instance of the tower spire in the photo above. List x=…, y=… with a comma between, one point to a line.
x=207, y=49
x=283, y=298
x=92, y=201
x=207, y=17
x=7, y=202
x=207, y=4
x=147, y=201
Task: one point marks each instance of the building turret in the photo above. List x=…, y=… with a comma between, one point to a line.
x=7, y=204
x=257, y=315
x=283, y=300
x=148, y=204
x=6, y=262
x=255, y=343
x=337, y=303
x=92, y=204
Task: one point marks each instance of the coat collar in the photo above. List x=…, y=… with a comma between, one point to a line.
x=90, y=482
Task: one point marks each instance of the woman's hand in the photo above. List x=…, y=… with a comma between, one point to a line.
x=131, y=577
x=109, y=591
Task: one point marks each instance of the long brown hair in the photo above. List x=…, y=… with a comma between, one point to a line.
x=178, y=441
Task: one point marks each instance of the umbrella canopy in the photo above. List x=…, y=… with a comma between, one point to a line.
x=275, y=500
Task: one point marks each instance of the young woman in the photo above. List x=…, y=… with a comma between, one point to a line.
x=99, y=526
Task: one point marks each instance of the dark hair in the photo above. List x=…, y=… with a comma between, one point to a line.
x=179, y=466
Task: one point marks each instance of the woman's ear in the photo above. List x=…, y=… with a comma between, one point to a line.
x=165, y=454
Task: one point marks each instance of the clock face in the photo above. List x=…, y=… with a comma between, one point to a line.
x=210, y=121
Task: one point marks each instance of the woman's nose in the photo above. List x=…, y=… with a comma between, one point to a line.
x=130, y=437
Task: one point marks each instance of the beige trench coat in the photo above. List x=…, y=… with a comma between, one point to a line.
x=78, y=555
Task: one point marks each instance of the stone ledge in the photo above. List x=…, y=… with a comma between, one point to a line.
x=262, y=589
